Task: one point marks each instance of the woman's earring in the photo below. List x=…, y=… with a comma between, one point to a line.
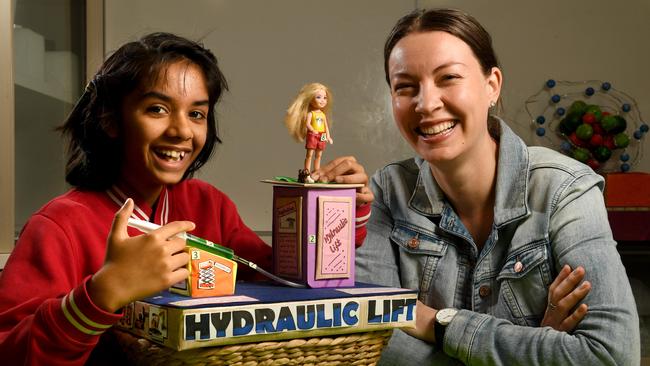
x=492, y=104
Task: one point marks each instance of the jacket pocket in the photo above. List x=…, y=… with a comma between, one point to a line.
x=420, y=253
x=524, y=280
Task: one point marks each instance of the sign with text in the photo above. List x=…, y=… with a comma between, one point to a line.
x=335, y=228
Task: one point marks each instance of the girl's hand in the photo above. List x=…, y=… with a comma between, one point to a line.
x=139, y=266
x=331, y=141
x=346, y=170
x=563, y=296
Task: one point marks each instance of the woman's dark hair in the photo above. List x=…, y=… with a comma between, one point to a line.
x=93, y=156
x=454, y=22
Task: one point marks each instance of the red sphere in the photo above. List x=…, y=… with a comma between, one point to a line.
x=593, y=164
x=598, y=129
x=576, y=141
x=588, y=118
x=596, y=140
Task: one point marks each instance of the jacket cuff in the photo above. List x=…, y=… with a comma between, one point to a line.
x=461, y=332
x=82, y=317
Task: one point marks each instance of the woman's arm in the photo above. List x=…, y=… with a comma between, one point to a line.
x=608, y=335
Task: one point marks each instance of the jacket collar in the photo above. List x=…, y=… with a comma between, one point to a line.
x=511, y=182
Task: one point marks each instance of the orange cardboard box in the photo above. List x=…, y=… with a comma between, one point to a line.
x=210, y=275
x=627, y=190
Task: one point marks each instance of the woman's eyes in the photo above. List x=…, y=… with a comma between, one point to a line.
x=448, y=77
x=403, y=89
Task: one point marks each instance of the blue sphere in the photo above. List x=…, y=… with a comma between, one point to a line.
x=606, y=86
x=555, y=98
x=560, y=111
x=541, y=131
x=590, y=91
x=540, y=120
x=626, y=107
x=550, y=83
x=565, y=146
x=625, y=157
x=644, y=128
x=638, y=134
x=625, y=167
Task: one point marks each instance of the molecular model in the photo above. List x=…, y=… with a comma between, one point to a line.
x=589, y=121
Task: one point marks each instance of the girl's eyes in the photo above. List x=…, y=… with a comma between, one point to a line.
x=197, y=115
x=156, y=109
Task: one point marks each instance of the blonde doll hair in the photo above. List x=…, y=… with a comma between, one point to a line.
x=296, y=117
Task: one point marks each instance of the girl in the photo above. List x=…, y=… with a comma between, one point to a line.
x=481, y=224
x=141, y=129
x=307, y=117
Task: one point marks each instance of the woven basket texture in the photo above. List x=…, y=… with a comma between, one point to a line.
x=348, y=349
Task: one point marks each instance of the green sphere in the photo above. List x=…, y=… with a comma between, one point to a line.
x=621, y=140
x=570, y=123
x=621, y=124
x=581, y=154
x=584, y=132
x=602, y=154
x=598, y=113
x=609, y=123
x=578, y=107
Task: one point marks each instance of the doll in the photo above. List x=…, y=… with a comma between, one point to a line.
x=307, y=119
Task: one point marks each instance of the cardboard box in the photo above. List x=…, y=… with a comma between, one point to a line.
x=627, y=190
x=264, y=312
x=313, y=233
x=210, y=275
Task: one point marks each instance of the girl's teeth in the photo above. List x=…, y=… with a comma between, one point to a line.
x=173, y=155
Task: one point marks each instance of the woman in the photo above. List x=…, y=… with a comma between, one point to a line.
x=482, y=224
x=144, y=125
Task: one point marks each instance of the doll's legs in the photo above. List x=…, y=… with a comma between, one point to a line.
x=319, y=153
x=308, y=157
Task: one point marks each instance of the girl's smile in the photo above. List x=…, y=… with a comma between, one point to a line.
x=164, y=129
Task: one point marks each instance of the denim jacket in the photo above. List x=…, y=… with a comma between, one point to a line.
x=549, y=211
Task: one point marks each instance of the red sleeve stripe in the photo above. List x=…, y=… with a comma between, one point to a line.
x=80, y=321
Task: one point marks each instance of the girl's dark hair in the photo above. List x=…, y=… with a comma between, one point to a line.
x=93, y=156
x=454, y=22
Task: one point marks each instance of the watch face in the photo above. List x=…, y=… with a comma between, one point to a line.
x=444, y=316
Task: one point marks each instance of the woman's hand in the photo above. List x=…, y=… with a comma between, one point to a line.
x=563, y=296
x=139, y=266
x=346, y=170
x=424, y=323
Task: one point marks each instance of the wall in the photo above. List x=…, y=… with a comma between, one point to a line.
x=267, y=53
x=268, y=50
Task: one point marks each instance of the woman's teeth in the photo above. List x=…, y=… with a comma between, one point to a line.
x=437, y=128
x=172, y=155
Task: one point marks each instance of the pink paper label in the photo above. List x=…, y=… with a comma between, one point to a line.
x=335, y=237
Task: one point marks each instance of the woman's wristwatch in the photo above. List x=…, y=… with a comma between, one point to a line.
x=442, y=320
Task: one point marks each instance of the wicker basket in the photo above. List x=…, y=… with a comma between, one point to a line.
x=348, y=349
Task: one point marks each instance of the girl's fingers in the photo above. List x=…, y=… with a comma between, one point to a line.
x=173, y=228
x=120, y=221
